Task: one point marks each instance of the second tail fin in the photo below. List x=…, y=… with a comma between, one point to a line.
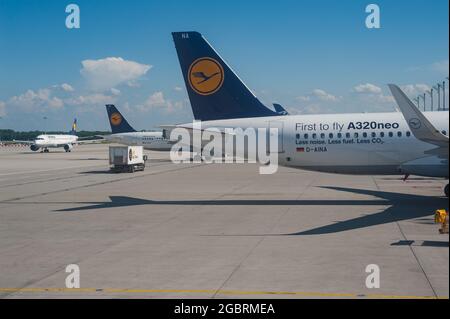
x=215, y=91
x=118, y=123
x=73, y=131
x=279, y=109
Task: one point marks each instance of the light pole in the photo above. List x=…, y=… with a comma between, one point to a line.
x=443, y=95
x=430, y=92
x=424, y=102
x=444, y=86
x=438, y=88
x=417, y=102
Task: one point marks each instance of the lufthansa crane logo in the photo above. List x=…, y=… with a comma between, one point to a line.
x=415, y=123
x=206, y=76
x=116, y=119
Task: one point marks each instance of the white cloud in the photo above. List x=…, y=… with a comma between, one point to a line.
x=441, y=66
x=39, y=100
x=415, y=89
x=67, y=87
x=324, y=96
x=89, y=103
x=303, y=98
x=91, y=99
x=385, y=98
x=63, y=87
x=155, y=100
x=314, y=109
x=367, y=88
x=109, y=72
x=158, y=101
x=318, y=94
x=372, y=94
x=178, y=88
x=115, y=91
x=133, y=84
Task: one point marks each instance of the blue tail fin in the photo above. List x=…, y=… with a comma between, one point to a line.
x=118, y=123
x=73, y=131
x=215, y=91
x=279, y=109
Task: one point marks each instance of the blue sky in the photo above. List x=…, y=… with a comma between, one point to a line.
x=311, y=56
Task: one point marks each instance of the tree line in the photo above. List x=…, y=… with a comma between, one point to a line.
x=10, y=135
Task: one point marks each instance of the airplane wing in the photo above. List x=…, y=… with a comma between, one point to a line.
x=91, y=141
x=419, y=125
x=23, y=142
x=167, y=129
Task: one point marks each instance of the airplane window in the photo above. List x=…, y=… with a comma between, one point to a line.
x=399, y=134
x=331, y=135
x=306, y=136
x=444, y=132
x=381, y=134
x=356, y=135
x=339, y=135
x=364, y=134
x=322, y=135
x=391, y=134
x=408, y=133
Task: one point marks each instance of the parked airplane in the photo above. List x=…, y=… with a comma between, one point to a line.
x=368, y=143
x=279, y=109
x=123, y=133
x=45, y=141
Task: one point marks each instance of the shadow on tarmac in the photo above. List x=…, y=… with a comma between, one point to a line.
x=401, y=207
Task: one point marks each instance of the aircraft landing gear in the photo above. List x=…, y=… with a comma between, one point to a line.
x=446, y=190
x=45, y=150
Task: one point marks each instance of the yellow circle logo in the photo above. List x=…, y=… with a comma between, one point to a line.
x=206, y=76
x=116, y=119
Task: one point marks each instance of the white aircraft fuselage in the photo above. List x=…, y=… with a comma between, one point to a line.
x=368, y=143
x=45, y=141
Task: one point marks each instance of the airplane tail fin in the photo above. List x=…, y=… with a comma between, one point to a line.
x=419, y=125
x=214, y=90
x=118, y=123
x=279, y=109
x=73, y=131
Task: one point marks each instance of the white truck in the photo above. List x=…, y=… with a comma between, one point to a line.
x=127, y=158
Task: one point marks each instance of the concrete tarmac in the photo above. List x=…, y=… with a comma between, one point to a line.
x=213, y=230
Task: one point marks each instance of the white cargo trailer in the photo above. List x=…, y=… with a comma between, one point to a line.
x=127, y=158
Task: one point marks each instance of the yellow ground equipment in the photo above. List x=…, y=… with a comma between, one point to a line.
x=441, y=217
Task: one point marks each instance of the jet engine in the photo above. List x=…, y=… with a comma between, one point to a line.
x=427, y=166
x=68, y=147
x=34, y=147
